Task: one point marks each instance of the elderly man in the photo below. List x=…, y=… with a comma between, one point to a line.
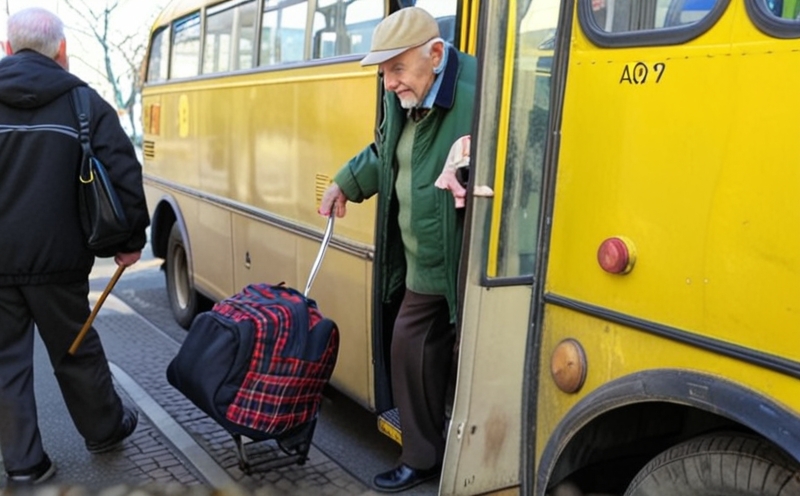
x=44, y=261
x=429, y=100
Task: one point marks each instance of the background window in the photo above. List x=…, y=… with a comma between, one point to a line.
x=283, y=31
x=186, y=47
x=159, y=56
x=345, y=27
x=230, y=32
x=219, y=33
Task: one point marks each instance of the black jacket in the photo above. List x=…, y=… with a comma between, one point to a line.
x=41, y=240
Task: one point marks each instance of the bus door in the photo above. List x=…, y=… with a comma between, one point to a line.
x=457, y=25
x=502, y=253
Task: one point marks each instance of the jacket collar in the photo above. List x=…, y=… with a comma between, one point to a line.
x=446, y=96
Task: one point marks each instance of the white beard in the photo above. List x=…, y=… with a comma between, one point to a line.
x=408, y=103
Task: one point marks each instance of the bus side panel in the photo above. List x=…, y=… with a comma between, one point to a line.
x=694, y=166
x=342, y=289
x=701, y=178
x=247, y=157
x=613, y=351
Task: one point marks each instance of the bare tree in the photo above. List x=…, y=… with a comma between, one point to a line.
x=123, y=46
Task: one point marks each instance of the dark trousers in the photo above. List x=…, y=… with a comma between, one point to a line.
x=422, y=352
x=58, y=311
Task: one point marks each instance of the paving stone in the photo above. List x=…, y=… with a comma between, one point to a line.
x=143, y=353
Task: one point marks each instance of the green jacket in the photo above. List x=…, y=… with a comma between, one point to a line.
x=374, y=170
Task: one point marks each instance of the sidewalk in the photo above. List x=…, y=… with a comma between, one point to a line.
x=176, y=449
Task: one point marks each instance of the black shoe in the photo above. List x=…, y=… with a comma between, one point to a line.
x=34, y=475
x=130, y=418
x=403, y=477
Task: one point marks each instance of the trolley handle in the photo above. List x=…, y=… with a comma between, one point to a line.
x=326, y=239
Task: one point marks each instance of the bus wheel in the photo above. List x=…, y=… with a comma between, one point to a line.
x=722, y=463
x=182, y=295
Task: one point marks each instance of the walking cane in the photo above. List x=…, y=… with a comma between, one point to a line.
x=95, y=310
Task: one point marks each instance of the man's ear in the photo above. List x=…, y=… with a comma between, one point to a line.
x=61, y=57
x=7, y=46
x=437, y=53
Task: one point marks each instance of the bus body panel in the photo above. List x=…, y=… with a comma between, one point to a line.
x=251, y=175
x=684, y=152
x=615, y=352
x=686, y=165
x=342, y=282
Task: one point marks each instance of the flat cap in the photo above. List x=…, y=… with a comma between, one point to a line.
x=407, y=28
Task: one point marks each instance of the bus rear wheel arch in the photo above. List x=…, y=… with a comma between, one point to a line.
x=719, y=463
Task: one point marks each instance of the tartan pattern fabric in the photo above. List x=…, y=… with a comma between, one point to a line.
x=290, y=364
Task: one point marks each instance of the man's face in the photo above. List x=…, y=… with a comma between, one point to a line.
x=410, y=74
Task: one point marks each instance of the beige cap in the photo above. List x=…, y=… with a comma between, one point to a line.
x=407, y=28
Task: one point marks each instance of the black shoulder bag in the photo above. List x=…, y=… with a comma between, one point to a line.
x=102, y=217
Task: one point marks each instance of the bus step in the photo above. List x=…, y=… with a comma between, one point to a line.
x=389, y=424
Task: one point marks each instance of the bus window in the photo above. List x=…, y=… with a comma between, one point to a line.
x=687, y=11
x=158, y=62
x=343, y=28
x=618, y=16
x=445, y=13
x=186, y=47
x=230, y=32
x=520, y=150
x=283, y=31
x=784, y=9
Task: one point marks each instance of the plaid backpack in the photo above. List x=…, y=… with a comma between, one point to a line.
x=258, y=361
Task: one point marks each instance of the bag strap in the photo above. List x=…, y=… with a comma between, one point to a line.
x=83, y=110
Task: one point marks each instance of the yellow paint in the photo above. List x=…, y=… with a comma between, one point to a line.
x=699, y=172
x=685, y=151
x=183, y=116
x=696, y=166
x=390, y=430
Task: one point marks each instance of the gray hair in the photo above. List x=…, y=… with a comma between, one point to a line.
x=35, y=29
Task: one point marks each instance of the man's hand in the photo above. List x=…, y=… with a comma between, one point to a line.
x=447, y=180
x=127, y=259
x=333, y=196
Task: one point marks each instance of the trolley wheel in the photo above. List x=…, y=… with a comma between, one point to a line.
x=721, y=463
x=245, y=468
x=182, y=296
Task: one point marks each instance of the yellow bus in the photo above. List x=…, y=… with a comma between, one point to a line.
x=249, y=108
x=631, y=304
x=630, y=283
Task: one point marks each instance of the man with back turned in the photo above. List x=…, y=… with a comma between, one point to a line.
x=44, y=261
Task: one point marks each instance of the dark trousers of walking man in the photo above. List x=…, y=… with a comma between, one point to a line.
x=58, y=311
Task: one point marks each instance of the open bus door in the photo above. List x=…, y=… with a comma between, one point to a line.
x=502, y=250
x=458, y=25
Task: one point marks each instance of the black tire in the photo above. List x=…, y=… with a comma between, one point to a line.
x=719, y=464
x=183, y=298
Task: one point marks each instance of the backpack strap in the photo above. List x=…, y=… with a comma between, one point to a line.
x=80, y=102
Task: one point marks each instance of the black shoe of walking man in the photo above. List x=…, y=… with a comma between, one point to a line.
x=37, y=474
x=130, y=418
